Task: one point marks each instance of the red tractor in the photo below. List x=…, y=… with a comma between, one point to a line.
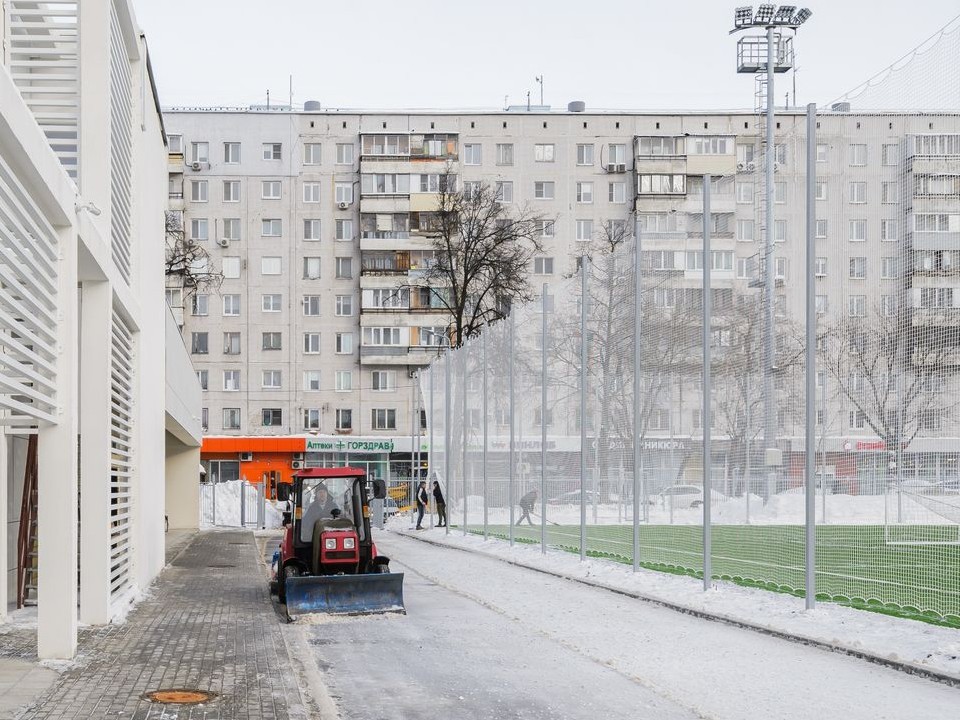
x=328, y=561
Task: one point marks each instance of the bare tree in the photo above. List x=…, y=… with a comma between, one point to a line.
x=187, y=260
x=482, y=256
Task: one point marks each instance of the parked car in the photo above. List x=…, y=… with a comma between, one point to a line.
x=685, y=496
x=572, y=498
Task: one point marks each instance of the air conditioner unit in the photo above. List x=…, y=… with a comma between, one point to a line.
x=343, y=205
x=195, y=165
x=616, y=168
x=297, y=456
x=297, y=464
x=751, y=166
x=741, y=167
x=246, y=457
x=223, y=242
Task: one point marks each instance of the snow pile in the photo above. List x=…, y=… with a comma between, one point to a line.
x=224, y=498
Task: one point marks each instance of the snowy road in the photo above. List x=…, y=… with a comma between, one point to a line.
x=484, y=639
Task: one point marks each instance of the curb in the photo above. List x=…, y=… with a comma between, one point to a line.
x=904, y=667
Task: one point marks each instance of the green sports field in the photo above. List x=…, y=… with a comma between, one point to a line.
x=855, y=565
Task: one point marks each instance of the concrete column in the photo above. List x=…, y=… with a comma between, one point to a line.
x=57, y=484
x=96, y=310
x=4, y=527
x=182, y=485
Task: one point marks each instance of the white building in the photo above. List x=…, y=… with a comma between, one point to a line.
x=82, y=197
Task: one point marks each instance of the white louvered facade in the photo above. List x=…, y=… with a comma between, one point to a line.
x=122, y=449
x=120, y=148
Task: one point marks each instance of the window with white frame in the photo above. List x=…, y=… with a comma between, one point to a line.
x=272, y=151
x=471, y=188
x=889, y=268
x=311, y=268
x=823, y=152
x=381, y=336
x=311, y=153
x=858, y=155
x=175, y=144
x=383, y=419
x=821, y=190
x=616, y=154
x=472, y=154
x=271, y=303
x=617, y=192
x=270, y=189
x=199, y=229
x=858, y=230
x=311, y=380
x=198, y=190
x=504, y=153
x=344, y=343
x=547, y=228
x=343, y=192
x=888, y=305
x=344, y=419
x=890, y=154
x=311, y=229
x=271, y=227
x=231, y=305
x=820, y=267
x=270, y=265
x=231, y=229
x=659, y=419
x=745, y=192
x=311, y=418
x=384, y=380
x=820, y=229
x=200, y=343
x=722, y=260
x=821, y=304
x=543, y=190
x=585, y=154
x=231, y=191
x=746, y=230
x=231, y=343
x=931, y=222
x=543, y=266
x=694, y=260
x=857, y=192
x=543, y=152
x=230, y=267
x=711, y=145
x=344, y=306
x=343, y=380
x=344, y=267
x=231, y=418
x=174, y=297
x=857, y=306
x=200, y=152
x=888, y=230
x=888, y=192
x=503, y=191
x=271, y=380
x=345, y=153
x=311, y=305
x=661, y=184
x=231, y=380
x=271, y=417
x=858, y=268
x=231, y=153
x=780, y=265
x=343, y=229
x=780, y=192
x=203, y=377
x=311, y=343
x=746, y=268
x=311, y=192
x=779, y=230
x=584, y=230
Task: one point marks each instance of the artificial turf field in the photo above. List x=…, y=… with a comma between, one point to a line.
x=855, y=565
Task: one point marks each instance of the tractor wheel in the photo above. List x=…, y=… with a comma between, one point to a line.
x=290, y=571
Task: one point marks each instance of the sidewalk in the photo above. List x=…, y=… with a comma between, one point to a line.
x=207, y=624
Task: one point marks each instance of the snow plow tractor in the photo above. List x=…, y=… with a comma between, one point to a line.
x=328, y=561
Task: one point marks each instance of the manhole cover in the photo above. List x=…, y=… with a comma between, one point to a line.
x=221, y=566
x=180, y=696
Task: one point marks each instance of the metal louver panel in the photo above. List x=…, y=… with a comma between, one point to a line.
x=121, y=456
x=120, y=148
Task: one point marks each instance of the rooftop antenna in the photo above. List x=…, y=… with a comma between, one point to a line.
x=268, y=99
x=539, y=79
x=528, y=101
x=506, y=101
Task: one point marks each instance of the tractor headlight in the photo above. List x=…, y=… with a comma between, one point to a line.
x=330, y=543
x=349, y=543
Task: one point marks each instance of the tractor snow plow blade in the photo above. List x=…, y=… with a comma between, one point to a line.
x=345, y=594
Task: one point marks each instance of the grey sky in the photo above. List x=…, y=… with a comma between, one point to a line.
x=641, y=54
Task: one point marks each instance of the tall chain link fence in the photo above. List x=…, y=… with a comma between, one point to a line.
x=616, y=445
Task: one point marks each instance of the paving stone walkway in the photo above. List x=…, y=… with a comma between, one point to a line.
x=208, y=624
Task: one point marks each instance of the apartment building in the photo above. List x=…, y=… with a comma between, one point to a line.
x=317, y=219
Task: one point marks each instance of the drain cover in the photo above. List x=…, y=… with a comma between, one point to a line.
x=180, y=696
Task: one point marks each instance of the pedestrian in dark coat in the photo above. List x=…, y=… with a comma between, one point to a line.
x=526, y=505
x=422, y=500
x=441, y=505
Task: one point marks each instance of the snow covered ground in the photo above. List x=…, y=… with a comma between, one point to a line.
x=912, y=643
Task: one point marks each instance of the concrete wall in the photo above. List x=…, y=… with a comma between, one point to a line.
x=182, y=484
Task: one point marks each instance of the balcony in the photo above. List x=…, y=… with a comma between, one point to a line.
x=397, y=354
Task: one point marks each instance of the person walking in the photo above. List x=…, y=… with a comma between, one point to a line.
x=526, y=504
x=441, y=505
x=422, y=501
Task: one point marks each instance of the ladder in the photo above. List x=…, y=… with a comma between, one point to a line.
x=27, y=537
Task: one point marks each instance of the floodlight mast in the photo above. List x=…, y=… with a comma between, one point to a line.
x=771, y=18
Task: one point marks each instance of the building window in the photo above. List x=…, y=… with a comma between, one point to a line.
x=200, y=152
x=888, y=305
x=199, y=229
x=199, y=305
x=311, y=343
x=711, y=145
x=344, y=419
x=888, y=192
x=890, y=154
x=888, y=230
x=661, y=184
x=857, y=306
x=823, y=152
x=231, y=418
x=745, y=192
x=617, y=192
x=231, y=229
x=821, y=190
x=821, y=229
x=344, y=154
x=311, y=380
x=270, y=189
x=472, y=154
x=272, y=151
x=271, y=303
x=311, y=229
x=198, y=190
x=504, y=153
x=543, y=266
x=344, y=306
x=311, y=419
x=231, y=380
x=779, y=267
x=543, y=152
x=889, y=268
x=311, y=153
x=616, y=155
x=504, y=191
x=272, y=417
x=780, y=192
x=231, y=343
x=547, y=228
x=858, y=192
x=271, y=380
x=311, y=305
x=383, y=419
x=858, y=155
x=230, y=267
x=175, y=144
x=585, y=154
x=344, y=343
x=174, y=297
x=270, y=265
x=204, y=419
x=822, y=304
x=384, y=380
x=543, y=190
x=343, y=192
x=231, y=305
x=381, y=336
x=343, y=380
x=311, y=268
x=779, y=230
x=272, y=340
x=231, y=153
x=858, y=268
x=745, y=230
x=820, y=267
x=199, y=343
x=231, y=191
x=931, y=222
x=858, y=230
x=272, y=227
x=584, y=230
x=344, y=267
x=311, y=192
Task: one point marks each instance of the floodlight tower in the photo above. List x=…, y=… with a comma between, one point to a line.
x=771, y=54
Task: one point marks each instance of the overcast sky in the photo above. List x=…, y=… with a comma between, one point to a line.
x=636, y=54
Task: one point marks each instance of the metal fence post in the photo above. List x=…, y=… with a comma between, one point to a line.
x=431, y=472
x=243, y=504
x=448, y=437
x=811, y=364
x=463, y=407
x=483, y=456
x=637, y=390
x=584, y=271
x=543, y=420
x=705, y=414
x=512, y=457
x=213, y=520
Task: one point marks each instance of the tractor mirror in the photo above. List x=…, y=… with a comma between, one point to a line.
x=379, y=489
